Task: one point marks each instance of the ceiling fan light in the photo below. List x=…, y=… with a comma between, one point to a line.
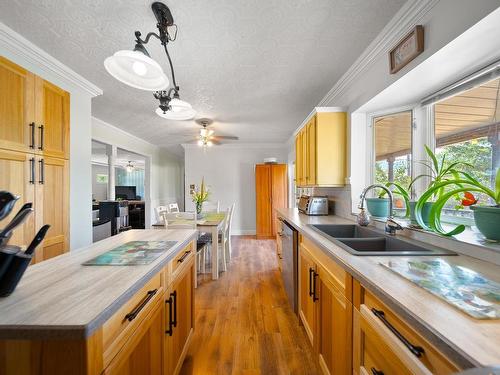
x=209, y=143
x=179, y=116
x=203, y=132
x=129, y=167
x=137, y=69
x=200, y=143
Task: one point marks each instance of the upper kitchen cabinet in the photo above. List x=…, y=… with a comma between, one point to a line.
x=321, y=150
x=52, y=119
x=17, y=127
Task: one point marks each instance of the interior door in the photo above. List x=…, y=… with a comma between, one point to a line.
x=279, y=193
x=334, y=327
x=16, y=107
x=307, y=270
x=52, y=188
x=180, y=317
x=52, y=114
x=263, y=197
x=17, y=177
x=142, y=354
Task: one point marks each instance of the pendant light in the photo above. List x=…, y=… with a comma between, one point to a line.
x=137, y=69
x=129, y=167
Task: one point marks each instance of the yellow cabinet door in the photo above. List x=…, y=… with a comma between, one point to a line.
x=298, y=160
x=52, y=119
x=17, y=176
x=307, y=309
x=179, y=322
x=143, y=352
x=52, y=196
x=334, y=327
x=311, y=152
x=16, y=107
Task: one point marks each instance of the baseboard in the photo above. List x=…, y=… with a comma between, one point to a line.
x=243, y=232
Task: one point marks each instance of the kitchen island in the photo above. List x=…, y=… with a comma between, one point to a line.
x=69, y=318
x=359, y=285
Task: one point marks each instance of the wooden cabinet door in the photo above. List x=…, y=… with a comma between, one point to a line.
x=307, y=313
x=181, y=314
x=263, y=198
x=297, y=160
x=16, y=107
x=52, y=114
x=334, y=327
x=52, y=188
x=143, y=352
x=279, y=193
x=16, y=177
x=311, y=152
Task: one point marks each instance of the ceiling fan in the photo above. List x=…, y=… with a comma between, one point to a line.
x=207, y=137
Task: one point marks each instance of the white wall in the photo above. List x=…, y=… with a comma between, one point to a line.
x=164, y=183
x=22, y=52
x=229, y=171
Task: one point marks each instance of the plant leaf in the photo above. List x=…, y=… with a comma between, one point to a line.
x=433, y=158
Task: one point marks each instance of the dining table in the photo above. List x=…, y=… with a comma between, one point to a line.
x=208, y=222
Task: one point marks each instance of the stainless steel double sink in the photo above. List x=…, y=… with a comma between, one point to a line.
x=359, y=240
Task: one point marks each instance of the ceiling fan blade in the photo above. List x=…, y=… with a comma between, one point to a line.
x=215, y=142
x=225, y=137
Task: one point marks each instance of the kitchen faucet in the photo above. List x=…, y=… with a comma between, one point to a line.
x=363, y=218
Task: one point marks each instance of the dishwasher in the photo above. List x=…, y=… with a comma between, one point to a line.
x=290, y=263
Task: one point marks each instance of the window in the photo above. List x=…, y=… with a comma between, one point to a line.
x=393, y=153
x=466, y=129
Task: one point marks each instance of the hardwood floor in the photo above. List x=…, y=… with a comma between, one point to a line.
x=244, y=324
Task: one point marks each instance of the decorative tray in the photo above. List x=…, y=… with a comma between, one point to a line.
x=461, y=287
x=132, y=253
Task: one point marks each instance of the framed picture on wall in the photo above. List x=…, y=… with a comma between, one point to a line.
x=407, y=49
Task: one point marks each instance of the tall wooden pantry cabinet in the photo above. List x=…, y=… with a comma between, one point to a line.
x=271, y=192
x=34, y=153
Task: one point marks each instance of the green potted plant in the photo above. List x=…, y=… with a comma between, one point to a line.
x=199, y=196
x=439, y=171
x=487, y=218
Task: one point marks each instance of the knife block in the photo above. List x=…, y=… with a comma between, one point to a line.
x=14, y=271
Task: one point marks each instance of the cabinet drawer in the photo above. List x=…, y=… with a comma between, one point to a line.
x=118, y=328
x=182, y=258
x=413, y=350
x=341, y=279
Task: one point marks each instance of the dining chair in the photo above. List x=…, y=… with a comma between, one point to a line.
x=211, y=206
x=228, y=248
x=159, y=210
x=173, y=207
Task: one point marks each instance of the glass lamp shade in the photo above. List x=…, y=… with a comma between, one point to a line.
x=136, y=69
x=187, y=114
x=178, y=105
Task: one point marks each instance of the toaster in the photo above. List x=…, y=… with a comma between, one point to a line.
x=313, y=206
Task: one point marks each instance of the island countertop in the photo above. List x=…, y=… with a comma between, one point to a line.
x=61, y=298
x=468, y=341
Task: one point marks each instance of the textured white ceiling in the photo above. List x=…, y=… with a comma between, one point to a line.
x=256, y=66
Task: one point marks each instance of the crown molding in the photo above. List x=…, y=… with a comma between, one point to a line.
x=403, y=21
x=238, y=145
x=20, y=46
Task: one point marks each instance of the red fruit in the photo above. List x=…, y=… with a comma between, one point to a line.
x=468, y=199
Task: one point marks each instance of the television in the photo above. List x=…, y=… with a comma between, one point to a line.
x=125, y=192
